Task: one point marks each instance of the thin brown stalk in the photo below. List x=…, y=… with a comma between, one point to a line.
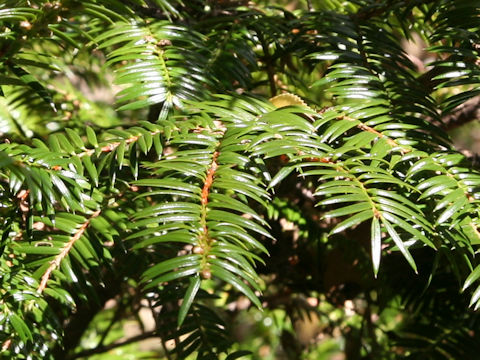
x=209, y=179
x=65, y=251
x=105, y=348
x=204, y=240
x=206, y=191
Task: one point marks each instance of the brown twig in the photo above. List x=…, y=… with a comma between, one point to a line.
x=106, y=148
x=114, y=145
x=369, y=129
x=389, y=141
x=105, y=348
x=6, y=345
x=209, y=179
x=204, y=240
x=465, y=113
x=65, y=251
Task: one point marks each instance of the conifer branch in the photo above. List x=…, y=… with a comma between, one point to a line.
x=65, y=251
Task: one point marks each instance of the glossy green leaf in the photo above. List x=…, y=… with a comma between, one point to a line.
x=91, y=136
x=451, y=210
x=376, y=244
x=474, y=276
x=92, y=171
x=353, y=221
x=399, y=242
x=236, y=283
x=188, y=299
x=75, y=138
x=20, y=327
x=169, y=265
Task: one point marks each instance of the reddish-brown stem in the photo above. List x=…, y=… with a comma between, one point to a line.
x=369, y=129
x=390, y=142
x=206, y=189
x=204, y=240
x=6, y=344
x=65, y=251
x=106, y=148
x=325, y=160
x=112, y=146
x=209, y=179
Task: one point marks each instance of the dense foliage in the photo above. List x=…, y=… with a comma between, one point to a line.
x=144, y=170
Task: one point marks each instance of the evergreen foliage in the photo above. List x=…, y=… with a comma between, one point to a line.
x=141, y=161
